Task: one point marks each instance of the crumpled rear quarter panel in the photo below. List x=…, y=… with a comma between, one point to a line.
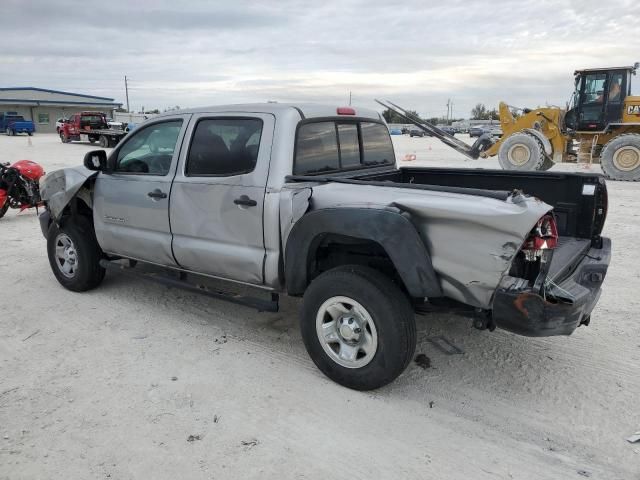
x=471, y=239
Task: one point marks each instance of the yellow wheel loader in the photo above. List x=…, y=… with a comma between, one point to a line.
x=603, y=119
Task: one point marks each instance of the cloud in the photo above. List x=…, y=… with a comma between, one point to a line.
x=419, y=53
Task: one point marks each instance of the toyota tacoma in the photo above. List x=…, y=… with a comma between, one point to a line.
x=308, y=201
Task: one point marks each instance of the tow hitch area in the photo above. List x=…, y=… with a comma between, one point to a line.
x=554, y=308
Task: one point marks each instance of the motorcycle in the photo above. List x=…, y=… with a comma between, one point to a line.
x=19, y=186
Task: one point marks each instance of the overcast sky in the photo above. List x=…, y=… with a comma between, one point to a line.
x=416, y=53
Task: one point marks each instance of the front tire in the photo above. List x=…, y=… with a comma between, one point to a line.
x=620, y=158
x=358, y=327
x=74, y=254
x=104, y=141
x=522, y=151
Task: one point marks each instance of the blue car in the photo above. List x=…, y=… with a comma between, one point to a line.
x=395, y=131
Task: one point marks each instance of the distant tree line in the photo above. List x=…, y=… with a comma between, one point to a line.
x=480, y=112
x=155, y=110
x=392, y=117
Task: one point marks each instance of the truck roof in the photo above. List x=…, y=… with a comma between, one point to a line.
x=306, y=110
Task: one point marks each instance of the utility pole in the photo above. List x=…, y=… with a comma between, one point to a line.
x=349, y=97
x=448, y=109
x=126, y=89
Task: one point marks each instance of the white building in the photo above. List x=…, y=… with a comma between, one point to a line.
x=44, y=106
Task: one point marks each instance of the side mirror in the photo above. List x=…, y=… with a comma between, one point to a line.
x=96, y=160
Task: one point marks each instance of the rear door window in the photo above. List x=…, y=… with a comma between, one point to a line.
x=224, y=147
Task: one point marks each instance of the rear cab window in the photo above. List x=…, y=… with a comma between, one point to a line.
x=336, y=145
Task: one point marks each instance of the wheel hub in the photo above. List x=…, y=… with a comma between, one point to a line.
x=66, y=256
x=519, y=154
x=346, y=332
x=627, y=158
x=350, y=328
x=70, y=254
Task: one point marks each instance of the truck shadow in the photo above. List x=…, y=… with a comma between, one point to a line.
x=470, y=359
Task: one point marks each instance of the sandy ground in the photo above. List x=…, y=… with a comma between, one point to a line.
x=134, y=380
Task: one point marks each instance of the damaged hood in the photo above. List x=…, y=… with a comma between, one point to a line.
x=59, y=187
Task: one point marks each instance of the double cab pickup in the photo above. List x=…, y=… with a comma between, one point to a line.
x=308, y=201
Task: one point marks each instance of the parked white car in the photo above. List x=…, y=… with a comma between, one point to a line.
x=59, y=123
x=495, y=131
x=114, y=124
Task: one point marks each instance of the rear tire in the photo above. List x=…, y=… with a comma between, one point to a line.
x=358, y=327
x=620, y=158
x=521, y=151
x=74, y=254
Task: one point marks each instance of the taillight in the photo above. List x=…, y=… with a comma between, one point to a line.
x=346, y=111
x=543, y=236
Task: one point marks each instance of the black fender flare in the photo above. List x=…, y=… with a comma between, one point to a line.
x=392, y=230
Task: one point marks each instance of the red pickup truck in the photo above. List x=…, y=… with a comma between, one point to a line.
x=90, y=127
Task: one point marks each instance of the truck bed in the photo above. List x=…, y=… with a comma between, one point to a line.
x=579, y=199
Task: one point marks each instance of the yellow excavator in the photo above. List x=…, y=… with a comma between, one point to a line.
x=603, y=119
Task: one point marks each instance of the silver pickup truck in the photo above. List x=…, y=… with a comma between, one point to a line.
x=307, y=200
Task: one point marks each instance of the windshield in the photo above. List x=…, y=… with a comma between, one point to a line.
x=92, y=118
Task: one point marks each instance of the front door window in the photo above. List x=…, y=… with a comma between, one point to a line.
x=149, y=150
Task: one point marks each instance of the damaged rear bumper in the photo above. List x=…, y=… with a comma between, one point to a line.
x=561, y=307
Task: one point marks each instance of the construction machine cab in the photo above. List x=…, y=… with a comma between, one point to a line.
x=598, y=98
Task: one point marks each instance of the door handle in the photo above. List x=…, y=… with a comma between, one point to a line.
x=157, y=193
x=246, y=201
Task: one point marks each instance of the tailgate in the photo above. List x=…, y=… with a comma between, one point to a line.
x=22, y=125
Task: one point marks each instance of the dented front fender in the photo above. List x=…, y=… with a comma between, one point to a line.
x=58, y=188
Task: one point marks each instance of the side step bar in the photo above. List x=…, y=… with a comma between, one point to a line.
x=260, y=304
